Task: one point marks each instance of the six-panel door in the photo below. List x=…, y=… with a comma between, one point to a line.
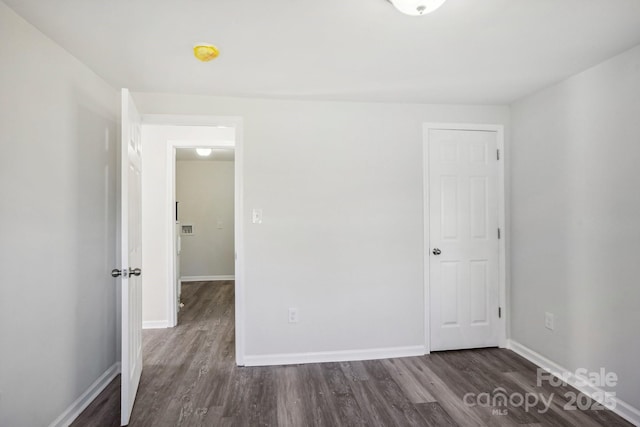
x=463, y=229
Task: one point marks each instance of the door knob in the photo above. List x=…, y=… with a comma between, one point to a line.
x=437, y=251
x=117, y=273
x=135, y=272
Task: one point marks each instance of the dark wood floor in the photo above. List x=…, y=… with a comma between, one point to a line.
x=190, y=379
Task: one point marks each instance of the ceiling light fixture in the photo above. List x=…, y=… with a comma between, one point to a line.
x=204, y=152
x=416, y=7
x=205, y=52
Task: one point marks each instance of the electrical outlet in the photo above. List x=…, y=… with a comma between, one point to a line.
x=548, y=321
x=293, y=315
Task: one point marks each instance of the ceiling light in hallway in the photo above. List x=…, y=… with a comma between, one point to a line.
x=417, y=7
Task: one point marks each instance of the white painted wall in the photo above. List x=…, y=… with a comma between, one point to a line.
x=58, y=144
x=158, y=208
x=205, y=190
x=576, y=221
x=340, y=185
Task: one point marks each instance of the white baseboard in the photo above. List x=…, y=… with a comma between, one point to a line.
x=621, y=407
x=206, y=278
x=332, y=356
x=155, y=324
x=81, y=403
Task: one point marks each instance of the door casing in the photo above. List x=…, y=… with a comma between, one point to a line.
x=499, y=130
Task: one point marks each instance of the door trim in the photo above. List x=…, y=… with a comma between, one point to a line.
x=502, y=270
x=212, y=121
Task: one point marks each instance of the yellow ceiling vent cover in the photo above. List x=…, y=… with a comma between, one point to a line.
x=205, y=52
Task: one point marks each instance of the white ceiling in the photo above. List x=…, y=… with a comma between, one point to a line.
x=217, y=155
x=468, y=51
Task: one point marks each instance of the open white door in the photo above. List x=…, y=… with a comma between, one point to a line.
x=464, y=258
x=131, y=255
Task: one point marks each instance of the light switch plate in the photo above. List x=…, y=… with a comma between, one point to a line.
x=257, y=216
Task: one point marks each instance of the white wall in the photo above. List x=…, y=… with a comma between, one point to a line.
x=576, y=221
x=58, y=136
x=340, y=185
x=205, y=190
x=158, y=210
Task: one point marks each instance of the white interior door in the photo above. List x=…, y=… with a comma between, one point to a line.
x=463, y=234
x=131, y=255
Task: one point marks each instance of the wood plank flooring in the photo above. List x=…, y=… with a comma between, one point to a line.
x=190, y=379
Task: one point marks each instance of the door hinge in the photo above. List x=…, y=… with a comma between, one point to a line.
x=499, y=312
x=499, y=234
x=498, y=154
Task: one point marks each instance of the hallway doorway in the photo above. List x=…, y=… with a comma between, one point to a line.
x=164, y=234
x=204, y=207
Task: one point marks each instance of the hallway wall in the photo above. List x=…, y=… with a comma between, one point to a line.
x=58, y=180
x=205, y=190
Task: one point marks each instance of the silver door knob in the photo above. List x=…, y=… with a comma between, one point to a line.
x=437, y=251
x=117, y=273
x=135, y=272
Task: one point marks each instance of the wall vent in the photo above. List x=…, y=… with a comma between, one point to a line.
x=187, y=230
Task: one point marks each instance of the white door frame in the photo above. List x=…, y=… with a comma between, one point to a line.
x=502, y=271
x=210, y=121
